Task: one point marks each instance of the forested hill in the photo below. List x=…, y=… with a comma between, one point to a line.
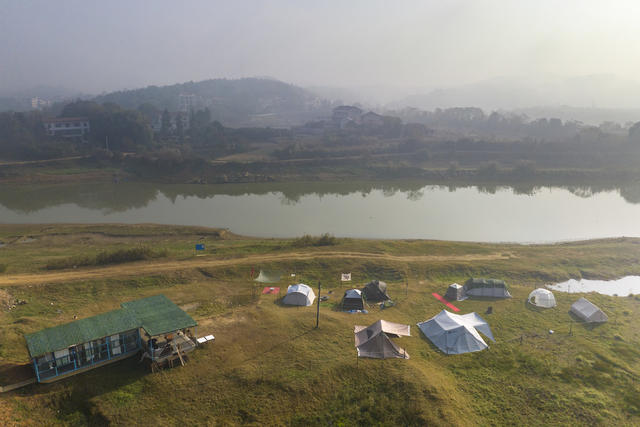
x=233, y=102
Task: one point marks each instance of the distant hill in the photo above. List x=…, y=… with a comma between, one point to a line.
x=233, y=102
x=508, y=93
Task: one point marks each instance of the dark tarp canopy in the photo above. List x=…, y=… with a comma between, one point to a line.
x=375, y=291
x=486, y=288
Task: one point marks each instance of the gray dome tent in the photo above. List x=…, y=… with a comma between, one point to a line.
x=375, y=291
x=352, y=300
x=588, y=312
x=486, y=288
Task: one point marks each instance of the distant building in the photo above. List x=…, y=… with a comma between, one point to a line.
x=39, y=103
x=346, y=112
x=186, y=102
x=174, y=119
x=67, y=127
x=372, y=119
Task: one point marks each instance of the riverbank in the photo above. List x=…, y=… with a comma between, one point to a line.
x=359, y=168
x=269, y=365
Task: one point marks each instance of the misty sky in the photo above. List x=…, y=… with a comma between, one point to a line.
x=96, y=46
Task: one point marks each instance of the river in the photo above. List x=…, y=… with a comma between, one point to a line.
x=396, y=210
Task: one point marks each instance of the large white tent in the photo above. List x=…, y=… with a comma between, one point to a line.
x=542, y=298
x=374, y=341
x=299, y=294
x=588, y=312
x=456, y=334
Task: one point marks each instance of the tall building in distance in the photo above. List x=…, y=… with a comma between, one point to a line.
x=186, y=102
x=39, y=103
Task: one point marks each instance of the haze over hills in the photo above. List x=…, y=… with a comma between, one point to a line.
x=246, y=101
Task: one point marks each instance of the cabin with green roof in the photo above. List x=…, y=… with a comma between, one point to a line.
x=154, y=325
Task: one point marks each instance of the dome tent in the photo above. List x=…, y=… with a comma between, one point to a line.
x=542, y=298
x=456, y=334
x=588, y=312
x=299, y=294
x=352, y=300
x=374, y=341
x=375, y=291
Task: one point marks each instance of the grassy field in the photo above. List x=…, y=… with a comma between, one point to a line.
x=269, y=366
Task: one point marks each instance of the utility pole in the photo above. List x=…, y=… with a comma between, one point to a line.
x=318, y=307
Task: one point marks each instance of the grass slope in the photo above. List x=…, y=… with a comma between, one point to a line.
x=270, y=366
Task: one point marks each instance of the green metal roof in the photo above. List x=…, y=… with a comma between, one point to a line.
x=156, y=315
x=80, y=331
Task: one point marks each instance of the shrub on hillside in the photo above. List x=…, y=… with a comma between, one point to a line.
x=117, y=256
x=324, y=240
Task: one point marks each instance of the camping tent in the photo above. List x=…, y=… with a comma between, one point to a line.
x=456, y=334
x=268, y=277
x=455, y=292
x=588, y=312
x=374, y=341
x=542, y=298
x=375, y=291
x=352, y=300
x=299, y=294
x=487, y=288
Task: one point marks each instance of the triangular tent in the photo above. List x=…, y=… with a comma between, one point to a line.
x=588, y=312
x=374, y=341
x=542, y=298
x=486, y=288
x=375, y=291
x=456, y=334
x=268, y=277
x=455, y=292
x=299, y=294
x=352, y=300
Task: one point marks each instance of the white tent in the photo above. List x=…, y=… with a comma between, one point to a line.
x=542, y=298
x=456, y=334
x=587, y=311
x=373, y=341
x=299, y=294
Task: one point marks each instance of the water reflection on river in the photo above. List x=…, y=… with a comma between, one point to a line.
x=370, y=210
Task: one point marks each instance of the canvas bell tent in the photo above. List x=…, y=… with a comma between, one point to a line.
x=542, y=298
x=456, y=334
x=352, y=300
x=588, y=312
x=455, y=292
x=374, y=341
x=375, y=291
x=486, y=288
x=299, y=294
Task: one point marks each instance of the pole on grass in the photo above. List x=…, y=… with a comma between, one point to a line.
x=318, y=307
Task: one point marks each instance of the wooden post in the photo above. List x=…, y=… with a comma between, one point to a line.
x=318, y=307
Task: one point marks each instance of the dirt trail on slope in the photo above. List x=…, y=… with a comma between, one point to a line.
x=155, y=267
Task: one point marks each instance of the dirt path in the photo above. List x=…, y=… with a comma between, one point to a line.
x=154, y=267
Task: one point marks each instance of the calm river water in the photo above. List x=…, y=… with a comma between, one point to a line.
x=368, y=210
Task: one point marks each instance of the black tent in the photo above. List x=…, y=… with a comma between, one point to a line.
x=375, y=291
x=352, y=300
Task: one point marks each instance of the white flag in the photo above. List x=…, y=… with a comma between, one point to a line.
x=346, y=277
